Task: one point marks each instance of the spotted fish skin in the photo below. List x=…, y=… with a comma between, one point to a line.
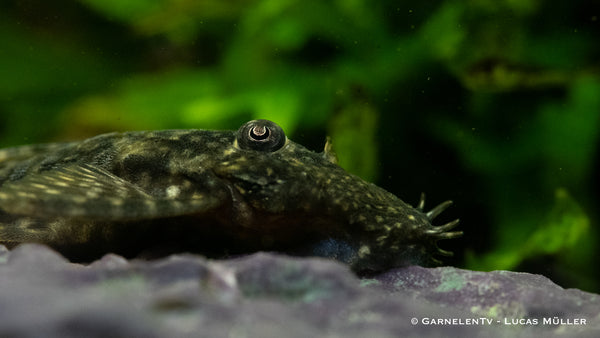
x=212, y=192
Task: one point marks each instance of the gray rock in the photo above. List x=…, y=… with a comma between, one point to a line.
x=516, y=301
x=269, y=295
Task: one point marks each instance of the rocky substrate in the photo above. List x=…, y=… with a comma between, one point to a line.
x=270, y=295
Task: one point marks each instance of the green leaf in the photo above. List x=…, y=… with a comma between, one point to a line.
x=566, y=228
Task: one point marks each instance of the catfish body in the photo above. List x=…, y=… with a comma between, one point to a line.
x=211, y=192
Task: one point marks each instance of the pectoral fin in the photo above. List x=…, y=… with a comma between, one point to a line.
x=85, y=191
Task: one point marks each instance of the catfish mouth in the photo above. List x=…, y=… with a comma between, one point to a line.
x=422, y=251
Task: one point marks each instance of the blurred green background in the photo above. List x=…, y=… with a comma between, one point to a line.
x=494, y=104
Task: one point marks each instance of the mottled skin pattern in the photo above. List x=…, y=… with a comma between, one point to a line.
x=213, y=192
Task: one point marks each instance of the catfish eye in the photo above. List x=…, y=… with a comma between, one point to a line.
x=262, y=135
